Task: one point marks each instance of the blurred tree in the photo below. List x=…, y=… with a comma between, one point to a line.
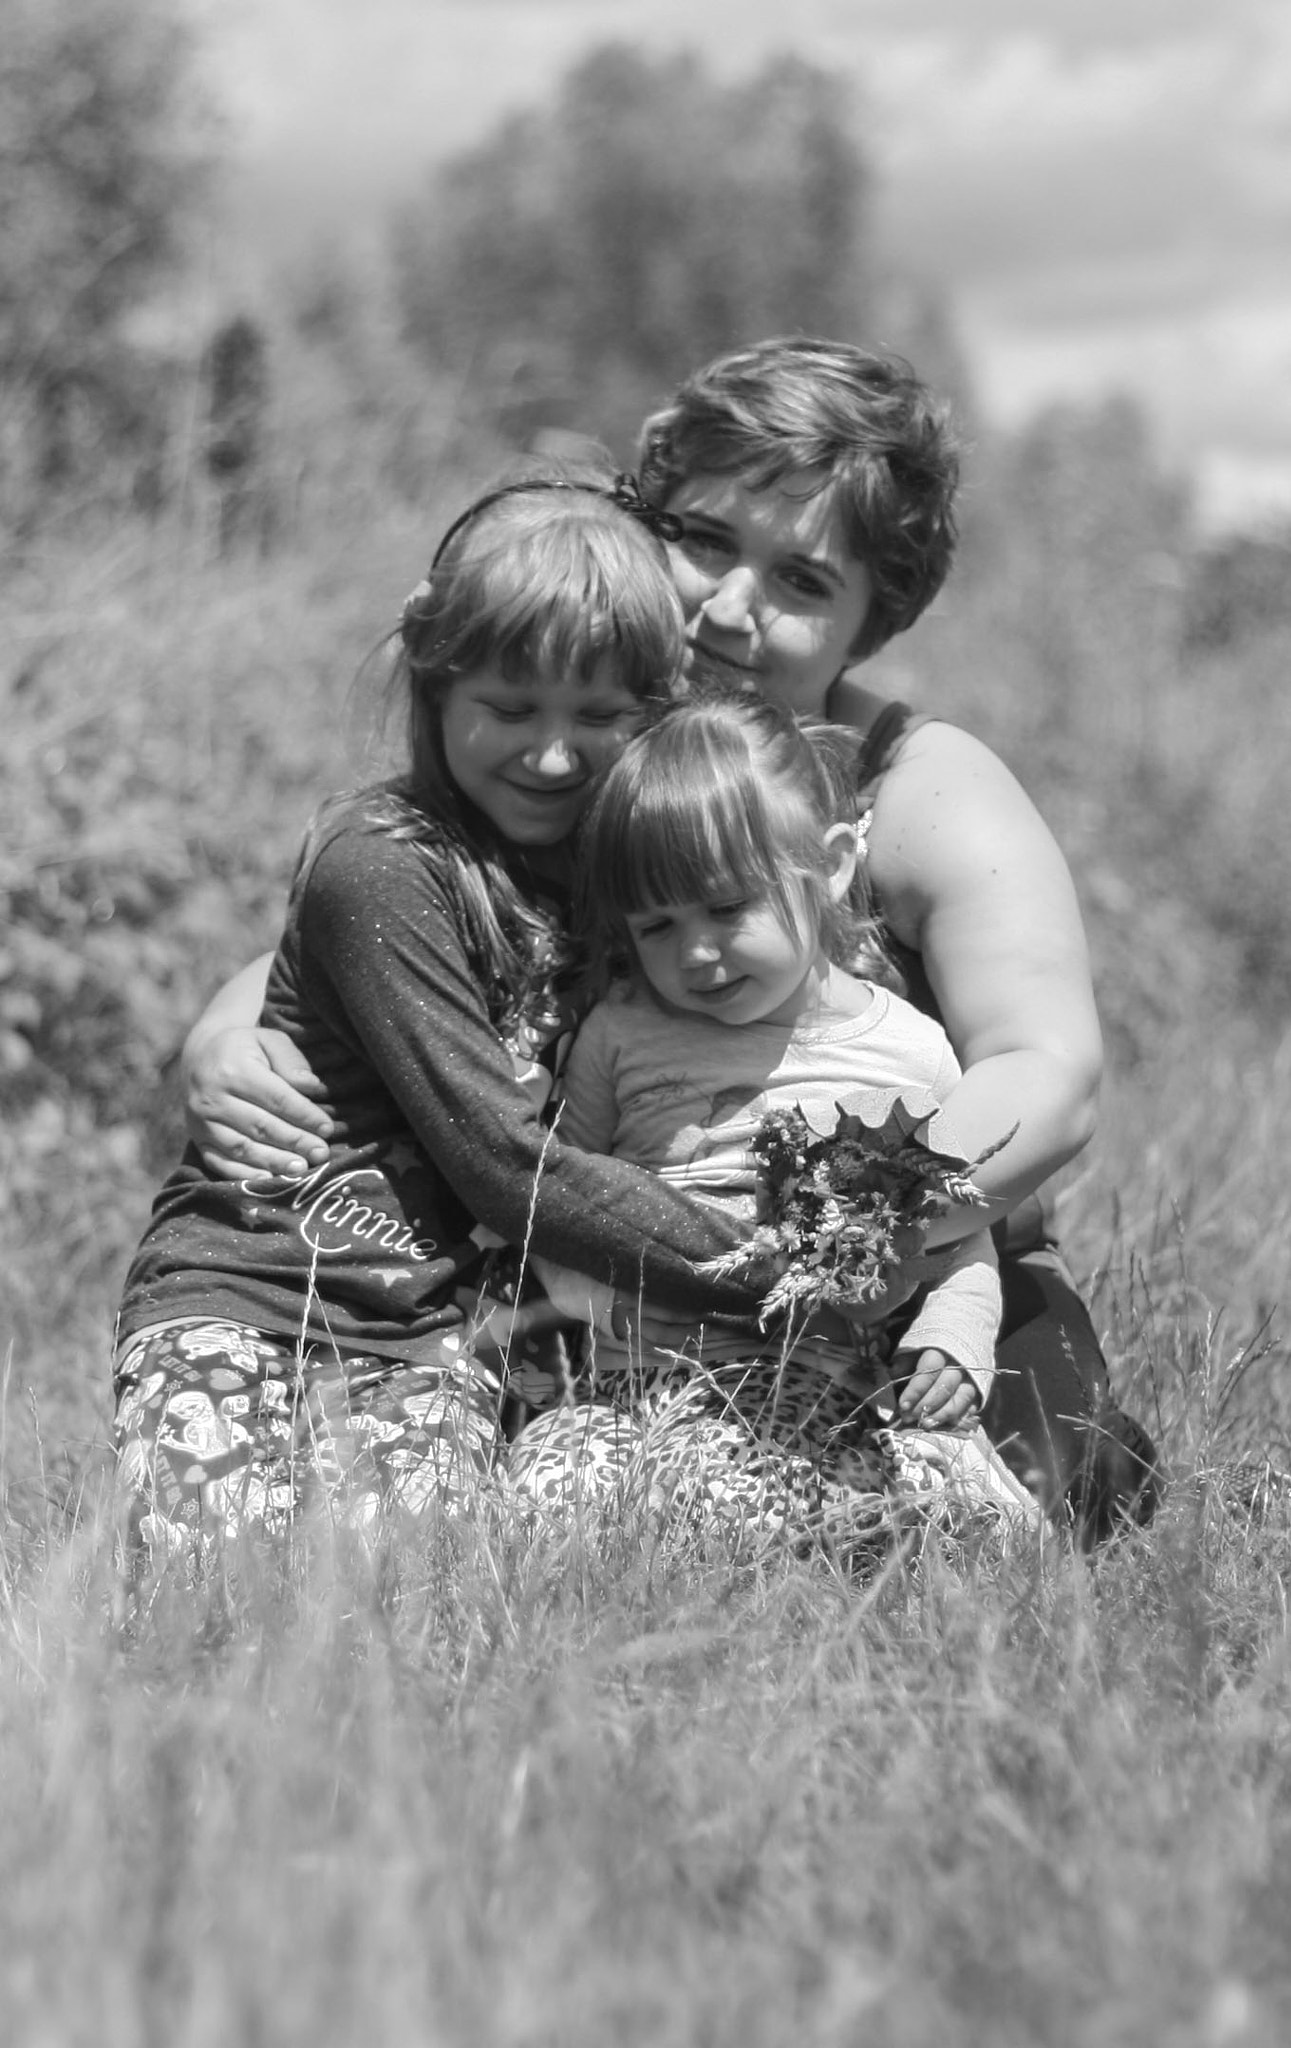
x=100, y=160
x=1238, y=586
x=235, y=384
x=588, y=254
x=1088, y=535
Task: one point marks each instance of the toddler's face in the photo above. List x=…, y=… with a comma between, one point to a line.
x=773, y=599
x=731, y=958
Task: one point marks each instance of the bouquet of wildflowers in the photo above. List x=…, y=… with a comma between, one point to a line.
x=841, y=1210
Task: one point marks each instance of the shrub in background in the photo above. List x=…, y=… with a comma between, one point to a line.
x=105, y=159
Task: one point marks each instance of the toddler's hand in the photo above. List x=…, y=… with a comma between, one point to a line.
x=938, y=1394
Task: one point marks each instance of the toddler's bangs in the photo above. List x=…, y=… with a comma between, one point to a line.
x=690, y=842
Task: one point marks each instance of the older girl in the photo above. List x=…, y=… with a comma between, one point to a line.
x=278, y=1337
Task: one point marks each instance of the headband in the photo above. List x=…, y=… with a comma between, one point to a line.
x=624, y=492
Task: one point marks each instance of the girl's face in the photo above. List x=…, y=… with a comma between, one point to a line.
x=773, y=599
x=524, y=753
x=731, y=958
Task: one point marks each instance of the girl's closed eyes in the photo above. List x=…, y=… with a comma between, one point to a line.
x=653, y=924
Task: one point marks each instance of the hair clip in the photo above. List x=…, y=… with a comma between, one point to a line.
x=627, y=493
x=413, y=599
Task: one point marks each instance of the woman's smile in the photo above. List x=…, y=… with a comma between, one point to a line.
x=775, y=600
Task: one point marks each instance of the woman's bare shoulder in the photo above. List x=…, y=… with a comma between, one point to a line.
x=934, y=743
x=944, y=779
x=952, y=825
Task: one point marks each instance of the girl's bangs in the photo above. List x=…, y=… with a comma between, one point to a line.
x=561, y=611
x=532, y=638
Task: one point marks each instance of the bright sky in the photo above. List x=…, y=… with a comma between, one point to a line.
x=1102, y=187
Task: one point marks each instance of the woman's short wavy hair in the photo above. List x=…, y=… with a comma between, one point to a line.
x=826, y=416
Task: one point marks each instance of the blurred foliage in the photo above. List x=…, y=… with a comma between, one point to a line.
x=1068, y=641
x=555, y=280
x=169, y=719
x=1241, y=586
x=592, y=251
x=102, y=159
x=1084, y=538
x=165, y=737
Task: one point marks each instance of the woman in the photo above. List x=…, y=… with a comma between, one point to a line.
x=814, y=485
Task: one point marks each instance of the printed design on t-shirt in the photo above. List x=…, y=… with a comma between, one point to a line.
x=664, y=1089
x=361, y=1214
x=350, y=1212
x=703, y=1132
x=727, y=1103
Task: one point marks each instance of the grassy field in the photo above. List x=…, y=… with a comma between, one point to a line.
x=502, y=1785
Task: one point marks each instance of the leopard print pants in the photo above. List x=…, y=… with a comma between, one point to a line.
x=766, y=1446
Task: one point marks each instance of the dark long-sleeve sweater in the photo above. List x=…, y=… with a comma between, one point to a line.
x=376, y=981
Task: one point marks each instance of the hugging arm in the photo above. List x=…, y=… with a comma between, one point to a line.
x=408, y=998
x=966, y=872
x=587, y=1117
x=252, y=1103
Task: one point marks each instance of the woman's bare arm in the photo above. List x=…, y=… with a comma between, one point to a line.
x=967, y=873
x=247, y=1090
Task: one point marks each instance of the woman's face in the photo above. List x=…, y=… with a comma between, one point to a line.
x=773, y=599
x=524, y=753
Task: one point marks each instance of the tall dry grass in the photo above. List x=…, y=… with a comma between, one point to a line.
x=500, y=1784
x=497, y=1785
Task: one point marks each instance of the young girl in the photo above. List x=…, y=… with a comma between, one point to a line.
x=718, y=864
x=278, y=1337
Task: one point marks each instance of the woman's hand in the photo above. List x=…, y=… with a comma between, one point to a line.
x=938, y=1393
x=249, y=1107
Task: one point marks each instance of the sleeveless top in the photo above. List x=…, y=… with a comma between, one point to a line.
x=880, y=747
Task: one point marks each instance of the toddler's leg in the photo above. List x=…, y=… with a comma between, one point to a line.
x=965, y=1471
x=757, y=1450
x=580, y=1455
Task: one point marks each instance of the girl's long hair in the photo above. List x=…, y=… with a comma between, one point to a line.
x=546, y=575
x=724, y=794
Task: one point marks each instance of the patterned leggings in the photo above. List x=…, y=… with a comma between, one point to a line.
x=218, y=1426
x=771, y=1446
